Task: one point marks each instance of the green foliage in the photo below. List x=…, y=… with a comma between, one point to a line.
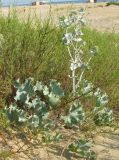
x=31, y=108
x=103, y=116
x=4, y=123
x=30, y=43
x=73, y=36
x=47, y=138
x=112, y=3
x=39, y=52
x=75, y=116
x=32, y=102
x=83, y=148
x=104, y=65
x=5, y=154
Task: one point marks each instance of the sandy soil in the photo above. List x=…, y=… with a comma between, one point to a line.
x=99, y=16
x=106, y=147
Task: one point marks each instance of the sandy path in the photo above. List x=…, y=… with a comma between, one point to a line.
x=104, y=18
x=107, y=147
x=99, y=16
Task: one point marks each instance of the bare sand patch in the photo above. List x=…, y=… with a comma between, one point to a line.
x=106, y=147
x=99, y=16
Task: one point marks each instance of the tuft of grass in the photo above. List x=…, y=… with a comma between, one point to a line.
x=5, y=154
x=4, y=123
x=112, y=3
x=105, y=72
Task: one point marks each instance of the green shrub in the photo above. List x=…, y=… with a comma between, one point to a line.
x=112, y=3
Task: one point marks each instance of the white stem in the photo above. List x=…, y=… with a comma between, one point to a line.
x=82, y=73
x=73, y=71
x=80, y=79
x=70, y=53
x=77, y=51
x=81, y=76
x=74, y=82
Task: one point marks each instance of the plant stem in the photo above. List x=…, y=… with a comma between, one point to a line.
x=74, y=82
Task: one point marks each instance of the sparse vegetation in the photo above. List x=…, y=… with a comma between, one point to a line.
x=112, y=3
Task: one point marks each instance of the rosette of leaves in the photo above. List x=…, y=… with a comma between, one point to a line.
x=76, y=115
x=32, y=103
x=83, y=148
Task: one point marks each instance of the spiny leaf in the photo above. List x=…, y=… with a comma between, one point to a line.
x=83, y=148
x=28, y=87
x=34, y=121
x=56, y=88
x=39, y=86
x=53, y=99
x=45, y=90
x=21, y=96
x=76, y=115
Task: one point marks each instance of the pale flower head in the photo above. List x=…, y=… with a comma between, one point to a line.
x=68, y=37
x=73, y=66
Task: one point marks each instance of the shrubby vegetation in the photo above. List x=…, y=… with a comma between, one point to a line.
x=35, y=51
x=112, y=3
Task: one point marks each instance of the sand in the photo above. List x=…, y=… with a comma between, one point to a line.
x=106, y=147
x=99, y=16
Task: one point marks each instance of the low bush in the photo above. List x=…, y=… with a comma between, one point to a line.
x=112, y=3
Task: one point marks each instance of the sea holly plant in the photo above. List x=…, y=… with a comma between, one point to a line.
x=74, y=40
x=75, y=43
x=32, y=103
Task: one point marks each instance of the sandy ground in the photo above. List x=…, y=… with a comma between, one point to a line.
x=99, y=16
x=106, y=147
